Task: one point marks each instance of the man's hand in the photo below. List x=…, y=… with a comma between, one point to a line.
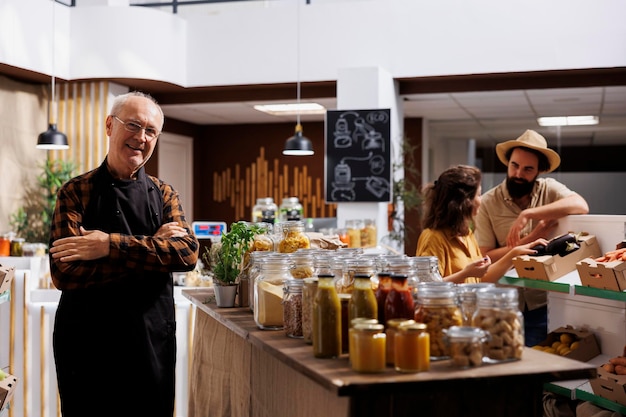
x=171, y=229
x=92, y=244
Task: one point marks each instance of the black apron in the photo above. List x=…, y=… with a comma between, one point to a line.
x=114, y=345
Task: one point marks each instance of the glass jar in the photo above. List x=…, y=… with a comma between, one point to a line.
x=17, y=246
x=362, y=300
x=303, y=264
x=256, y=258
x=497, y=313
x=412, y=348
x=5, y=245
x=308, y=296
x=293, y=238
x=391, y=328
x=404, y=265
x=326, y=319
x=344, y=303
x=467, y=299
x=353, y=227
x=437, y=308
x=399, y=303
x=368, y=352
x=290, y=209
x=382, y=290
x=466, y=346
x=268, y=292
x=359, y=265
x=369, y=238
x=292, y=307
x=264, y=210
x=351, y=341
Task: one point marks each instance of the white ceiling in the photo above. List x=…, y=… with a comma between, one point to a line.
x=487, y=117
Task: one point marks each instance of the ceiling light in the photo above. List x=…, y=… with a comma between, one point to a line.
x=568, y=121
x=298, y=145
x=291, y=109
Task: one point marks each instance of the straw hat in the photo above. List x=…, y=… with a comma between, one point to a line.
x=533, y=140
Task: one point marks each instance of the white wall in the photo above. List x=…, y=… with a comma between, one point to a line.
x=256, y=42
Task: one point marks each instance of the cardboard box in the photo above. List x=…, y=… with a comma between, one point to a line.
x=549, y=267
x=6, y=276
x=605, y=275
x=588, y=347
x=610, y=386
x=7, y=388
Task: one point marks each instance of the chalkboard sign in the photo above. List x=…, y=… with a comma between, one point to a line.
x=358, y=161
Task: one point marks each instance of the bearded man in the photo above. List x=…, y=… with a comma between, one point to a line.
x=522, y=209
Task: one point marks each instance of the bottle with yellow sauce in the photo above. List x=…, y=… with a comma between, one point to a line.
x=362, y=300
x=412, y=348
x=326, y=319
x=368, y=352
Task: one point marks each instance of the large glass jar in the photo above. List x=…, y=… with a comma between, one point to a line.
x=256, y=258
x=290, y=209
x=362, y=301
x=326, y=319
x=268, y=292
x=498, y=314
x=437, y=308
x=293, y=238
x=264, y=210
x=292, y=307
x=308, y=297
x=399, y=303
x=467, y=299
x=303, y=264
x=359, y=265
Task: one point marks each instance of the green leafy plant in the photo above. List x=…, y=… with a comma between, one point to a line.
x=226, y=259
x=32, y=221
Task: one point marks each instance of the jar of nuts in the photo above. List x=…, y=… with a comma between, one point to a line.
x=466, y=345
x=498, y=314
x=437, y=308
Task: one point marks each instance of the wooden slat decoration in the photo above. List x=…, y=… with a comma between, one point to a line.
x=258, y=181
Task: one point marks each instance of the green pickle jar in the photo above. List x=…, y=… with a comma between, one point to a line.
x=326, y=319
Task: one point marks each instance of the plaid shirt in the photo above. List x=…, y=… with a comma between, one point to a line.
x=131, y=256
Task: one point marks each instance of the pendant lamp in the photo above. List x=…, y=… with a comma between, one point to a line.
x=52, y=139
x=298, y=145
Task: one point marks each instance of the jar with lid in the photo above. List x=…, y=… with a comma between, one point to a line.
x=466, y=346
x=412, y=348
x=308, y=296
x=17, y=246
x=497, y=313
x=353, y=322
x=292, y=307
x=326, y=319
x=303, y=264
x=353, y=228
x=256, y=258
x=399, y=303
x=5, y=245
x=362, y=300
x=268, y=292
x=437, y=308
x=391, y=328
x=290, y=209
x=293, y=238
x=359, y=265
x=383, y=288
x=264, y=210
x=369, y=238
x=404, y=265
x=368, y=352
x=467, y=299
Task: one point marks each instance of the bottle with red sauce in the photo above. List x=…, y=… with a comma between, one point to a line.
x=384, y=286
x=399, y=303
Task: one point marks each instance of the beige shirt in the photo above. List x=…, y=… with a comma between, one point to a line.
x=498, y=212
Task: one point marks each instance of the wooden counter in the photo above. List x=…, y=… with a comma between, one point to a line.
x=239, y=370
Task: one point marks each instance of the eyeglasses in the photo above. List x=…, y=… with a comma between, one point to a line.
x=151, y=133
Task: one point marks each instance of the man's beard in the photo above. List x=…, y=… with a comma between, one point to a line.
x=519, y=187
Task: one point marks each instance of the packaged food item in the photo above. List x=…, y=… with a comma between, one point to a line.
x=326, y=319
x=292, y=307
x=293, y=238
x=391, y=328
x=268, y=292
x=290, y=209
x=399, y=302
x=466, y=345
x=308, y=296
x=438, y=309
x=264, y=210
x=362, y=300
x=412, y=348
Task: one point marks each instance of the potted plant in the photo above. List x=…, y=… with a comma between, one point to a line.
x=228, y=258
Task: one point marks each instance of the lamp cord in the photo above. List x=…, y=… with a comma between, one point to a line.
x=298, y=61
x=54, y=36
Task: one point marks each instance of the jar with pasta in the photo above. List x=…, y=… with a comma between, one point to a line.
x=497, y=313
x=293, y=237
x=303, y=264
x=437, y=308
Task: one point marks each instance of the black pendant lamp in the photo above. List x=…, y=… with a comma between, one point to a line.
x=298, y=145
x=52, y=139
